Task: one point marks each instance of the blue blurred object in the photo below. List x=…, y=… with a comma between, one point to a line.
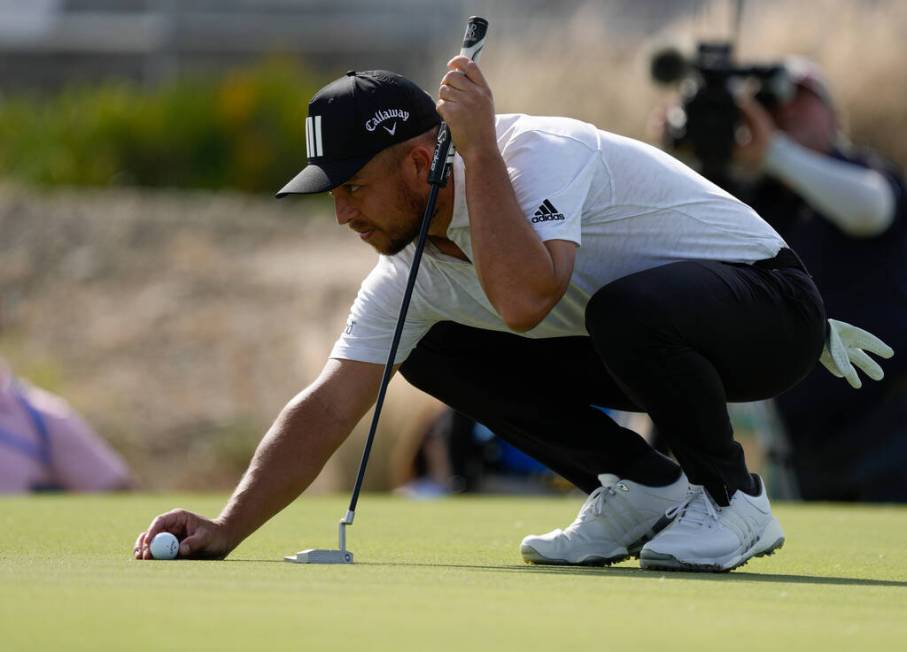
x=509, y=459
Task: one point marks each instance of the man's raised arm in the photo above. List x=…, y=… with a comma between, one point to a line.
x=292, y=453
x=522, y=276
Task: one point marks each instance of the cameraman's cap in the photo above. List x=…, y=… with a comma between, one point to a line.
x=809, y=75
x=352, y=119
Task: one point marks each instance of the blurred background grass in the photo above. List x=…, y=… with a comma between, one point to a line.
x=240, y=131
x=147, y=276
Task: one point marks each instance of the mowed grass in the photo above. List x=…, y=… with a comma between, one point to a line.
x=442, y=575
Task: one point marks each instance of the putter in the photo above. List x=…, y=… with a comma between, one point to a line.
x=441, y=164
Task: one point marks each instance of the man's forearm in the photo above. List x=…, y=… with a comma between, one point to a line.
x=514, y=267
x=290, y=456
x=858, y=200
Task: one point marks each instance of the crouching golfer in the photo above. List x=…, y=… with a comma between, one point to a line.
x=566, y=268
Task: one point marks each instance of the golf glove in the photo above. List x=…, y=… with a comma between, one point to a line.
x=844, y=348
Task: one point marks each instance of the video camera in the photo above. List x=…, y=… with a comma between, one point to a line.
x=707, y=118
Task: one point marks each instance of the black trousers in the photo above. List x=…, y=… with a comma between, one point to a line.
x=678, y=341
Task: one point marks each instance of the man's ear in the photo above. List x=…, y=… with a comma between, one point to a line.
x=418, y=162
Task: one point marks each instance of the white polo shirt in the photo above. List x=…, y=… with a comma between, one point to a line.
x=627, y=206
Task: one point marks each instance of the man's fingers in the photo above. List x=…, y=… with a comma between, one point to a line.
x=839, y=354
x=193, y=543
x=159, y=524
x=456, y=84
x=857, y=342
x=196, y=534
x=829, y=364
x=451, y=94
x=855, y=337
x=869, y=366
x=457, y=79
x=853, y=379
x=869, y=342
x=841, y=360
x=469, y=67
x=175, y=521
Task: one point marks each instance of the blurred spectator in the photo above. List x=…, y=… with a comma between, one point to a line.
x=455, y=454
x=843, y=210
x=46, y=446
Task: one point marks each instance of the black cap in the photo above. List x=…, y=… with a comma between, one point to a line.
x=352, y=119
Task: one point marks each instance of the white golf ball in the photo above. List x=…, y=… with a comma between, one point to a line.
x=164, y=546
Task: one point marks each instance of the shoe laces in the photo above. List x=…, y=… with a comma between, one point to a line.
x=595, y=503
x=697, y=509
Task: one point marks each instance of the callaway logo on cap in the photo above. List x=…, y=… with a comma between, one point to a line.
x=352, y=119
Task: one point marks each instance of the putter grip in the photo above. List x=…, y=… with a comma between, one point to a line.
x=474, y=38
x=443, y=158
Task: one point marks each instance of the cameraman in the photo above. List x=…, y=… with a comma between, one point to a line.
x=843, y=211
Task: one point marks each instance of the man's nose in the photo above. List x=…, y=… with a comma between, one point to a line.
x=344, y=210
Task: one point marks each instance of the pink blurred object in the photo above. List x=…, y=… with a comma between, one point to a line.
x=44, y=444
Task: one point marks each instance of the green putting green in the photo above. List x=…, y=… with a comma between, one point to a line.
x=443, y=575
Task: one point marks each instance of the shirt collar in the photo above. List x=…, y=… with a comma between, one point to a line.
x=459, y=219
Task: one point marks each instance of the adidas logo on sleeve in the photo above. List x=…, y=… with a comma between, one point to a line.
x=547, y=213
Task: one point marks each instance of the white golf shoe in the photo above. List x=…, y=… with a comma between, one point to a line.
x=613, y=524
x=706, y=537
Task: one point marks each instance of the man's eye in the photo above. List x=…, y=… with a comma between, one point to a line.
x=352, y=188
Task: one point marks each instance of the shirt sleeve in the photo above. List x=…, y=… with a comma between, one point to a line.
x=551, y=176
x=80, y=460
x=859, y=200
x=369, y=329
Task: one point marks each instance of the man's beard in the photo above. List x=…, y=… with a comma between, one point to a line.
x=403, y=236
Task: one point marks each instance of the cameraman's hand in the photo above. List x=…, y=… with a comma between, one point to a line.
x=199, y=537
x=844, y=348
x=761, y=130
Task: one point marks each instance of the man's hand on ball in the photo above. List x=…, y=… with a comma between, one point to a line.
x=200, y=538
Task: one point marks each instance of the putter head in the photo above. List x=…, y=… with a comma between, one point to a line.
x=320, y=556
